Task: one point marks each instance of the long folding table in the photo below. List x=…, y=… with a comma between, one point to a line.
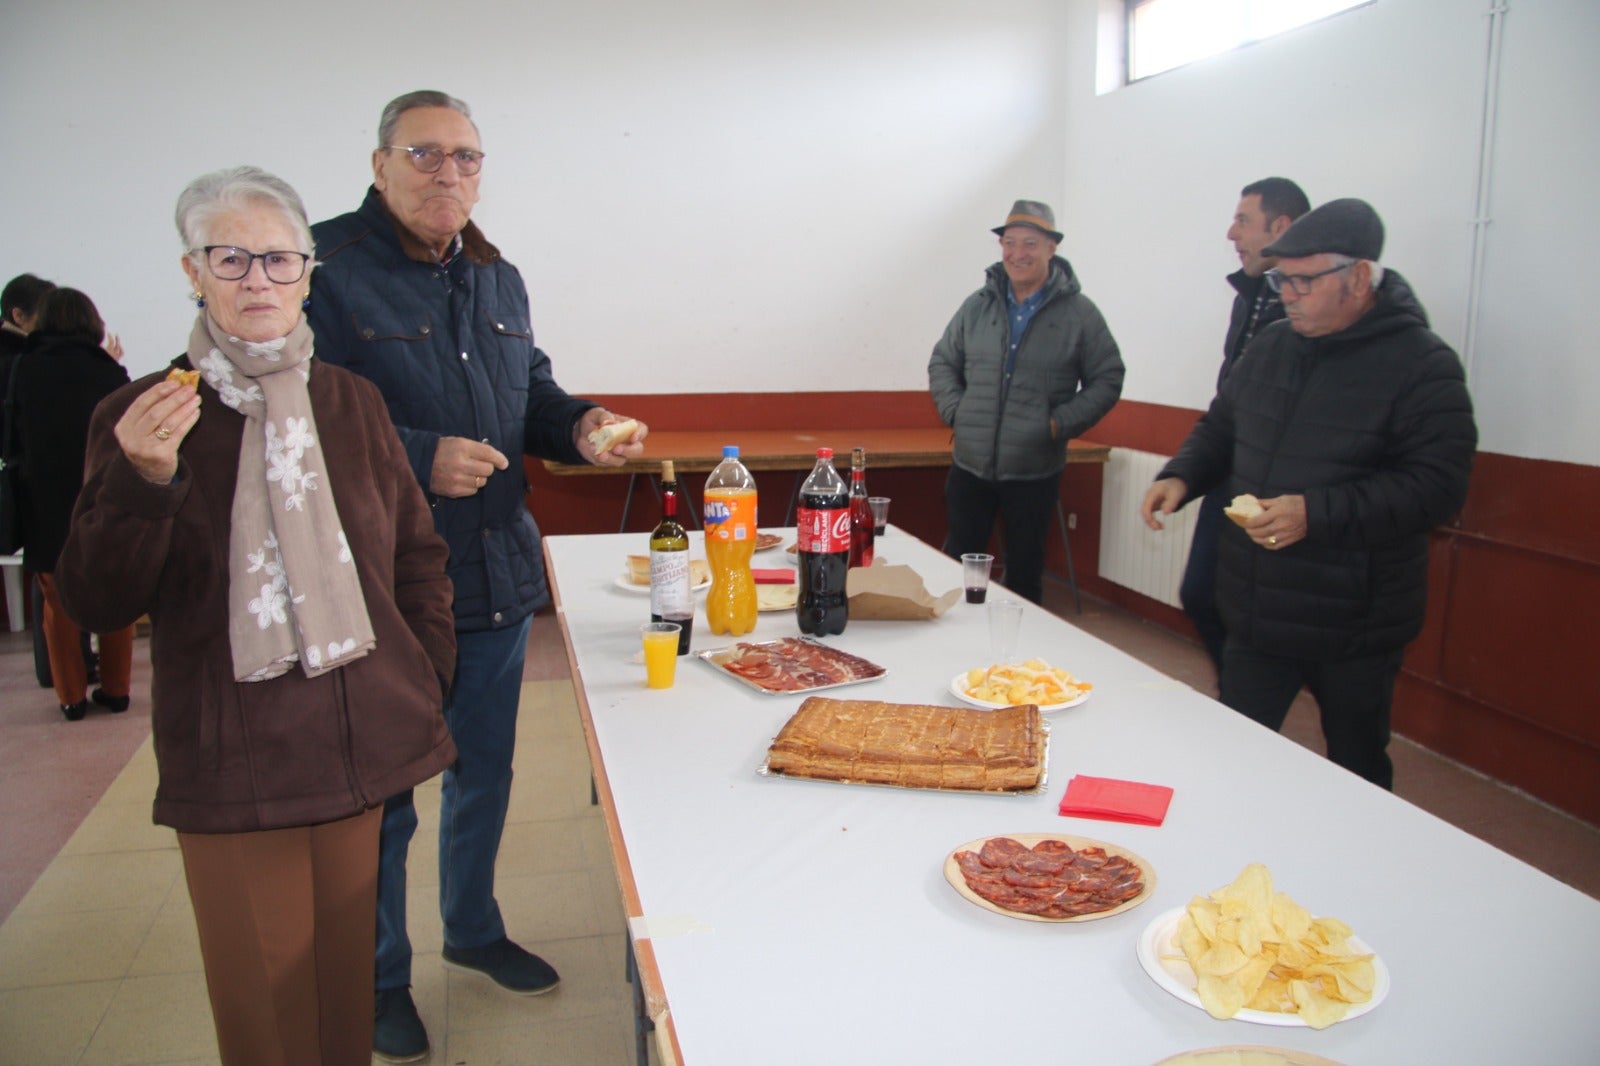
x=791, y=921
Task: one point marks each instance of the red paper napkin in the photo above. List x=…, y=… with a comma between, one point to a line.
x=772, y=577
x=1116, y=801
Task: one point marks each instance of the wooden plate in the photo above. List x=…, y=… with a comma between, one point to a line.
x=952, y=873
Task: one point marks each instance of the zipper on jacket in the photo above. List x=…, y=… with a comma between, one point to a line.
x=341, y=699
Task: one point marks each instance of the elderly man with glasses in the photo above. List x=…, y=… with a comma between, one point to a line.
x=411, y=295
x=1352, y=424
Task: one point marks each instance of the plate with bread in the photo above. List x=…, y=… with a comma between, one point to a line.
x=636, y=578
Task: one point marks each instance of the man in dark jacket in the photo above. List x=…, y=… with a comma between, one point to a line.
x=1352, y=424
x=1266, y=210
x=1026, y=364
x=411, y=295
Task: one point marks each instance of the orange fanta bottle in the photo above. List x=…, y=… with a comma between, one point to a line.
x=730, y=523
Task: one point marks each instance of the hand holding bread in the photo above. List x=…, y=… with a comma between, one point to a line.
x=606, y=440
x=155, y=423
x=1274, y=523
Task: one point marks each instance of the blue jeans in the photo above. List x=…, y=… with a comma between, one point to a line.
x=482, y=715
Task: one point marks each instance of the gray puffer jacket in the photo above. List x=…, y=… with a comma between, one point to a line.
x=1067, y=368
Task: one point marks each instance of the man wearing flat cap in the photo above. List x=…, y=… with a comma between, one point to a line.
x=1025, y=365
x=1352, y=425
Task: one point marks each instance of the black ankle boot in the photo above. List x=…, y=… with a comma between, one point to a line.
x=114, y=704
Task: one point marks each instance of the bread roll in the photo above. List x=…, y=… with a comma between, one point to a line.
x=1243, y=508
x=190, y=378
x=612, y=434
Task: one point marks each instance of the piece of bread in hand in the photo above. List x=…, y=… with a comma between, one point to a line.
x=612, y=434
x=1243, y=508
x=190, y=378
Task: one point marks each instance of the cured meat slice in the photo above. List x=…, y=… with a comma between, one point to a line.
x=1050, y=882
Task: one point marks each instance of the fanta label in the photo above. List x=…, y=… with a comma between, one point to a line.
x=731, y=517
x=823, y=531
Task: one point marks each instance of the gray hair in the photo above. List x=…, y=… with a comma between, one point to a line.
x=223, y=192
x=412, y=100
x=1375, y=268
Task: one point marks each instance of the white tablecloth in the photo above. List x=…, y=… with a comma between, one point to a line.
x=809, y=922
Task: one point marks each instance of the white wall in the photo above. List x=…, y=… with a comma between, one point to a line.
x=1383, y=102
x=713, y=194
x=733, y=195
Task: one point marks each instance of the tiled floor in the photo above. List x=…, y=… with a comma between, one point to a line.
x=98, y=956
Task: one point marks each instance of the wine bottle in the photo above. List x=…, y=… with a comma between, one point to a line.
x=670, y=597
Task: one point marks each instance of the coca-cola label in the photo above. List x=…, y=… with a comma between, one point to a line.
x=824, y=531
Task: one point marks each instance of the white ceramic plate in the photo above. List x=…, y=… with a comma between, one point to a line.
x=958, y=689
x=1163, y=960
x=625, y=583
x=776, y=540
x=1257, y=1053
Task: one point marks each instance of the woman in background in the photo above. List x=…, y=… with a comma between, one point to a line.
x=62, y=373
x=300, y=625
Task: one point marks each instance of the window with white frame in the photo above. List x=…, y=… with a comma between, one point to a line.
x=1163, y=34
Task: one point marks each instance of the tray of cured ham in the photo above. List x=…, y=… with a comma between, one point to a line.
x=789, y=665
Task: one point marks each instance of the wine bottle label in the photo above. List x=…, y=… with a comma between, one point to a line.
x=824, y=531
x=669, y=584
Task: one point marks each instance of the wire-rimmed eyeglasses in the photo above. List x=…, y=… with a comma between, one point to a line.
x=228, y=263
x=428, y=160
x=1301, y=283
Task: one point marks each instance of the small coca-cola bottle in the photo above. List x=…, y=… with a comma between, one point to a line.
x=861, y=524
x=824, y=550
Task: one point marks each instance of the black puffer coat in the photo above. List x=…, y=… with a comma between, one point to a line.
x=1373, y=425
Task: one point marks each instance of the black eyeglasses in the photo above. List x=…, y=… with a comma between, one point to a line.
x=1301, y=283
x=428, y=160
x=228, y=263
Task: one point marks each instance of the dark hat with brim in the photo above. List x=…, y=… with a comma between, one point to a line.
x=1034, y=215
x=1339, y=227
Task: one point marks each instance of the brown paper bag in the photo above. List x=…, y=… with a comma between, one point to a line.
x=894, y=592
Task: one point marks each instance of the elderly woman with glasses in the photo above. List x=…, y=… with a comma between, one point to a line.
x=268, y=523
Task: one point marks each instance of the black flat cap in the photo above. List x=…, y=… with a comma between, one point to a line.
x=1343, y=227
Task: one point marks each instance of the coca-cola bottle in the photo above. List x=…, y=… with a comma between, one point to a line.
x=861, y=524
x=824, y=550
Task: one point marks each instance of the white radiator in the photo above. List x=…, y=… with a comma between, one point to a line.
x=1132, y=554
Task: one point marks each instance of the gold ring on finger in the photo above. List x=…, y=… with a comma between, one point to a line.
x=162, y=433
x=1273, y=541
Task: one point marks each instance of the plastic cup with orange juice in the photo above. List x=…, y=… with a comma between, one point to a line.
x=660, y=653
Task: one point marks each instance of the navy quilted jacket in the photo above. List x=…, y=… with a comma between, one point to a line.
x=451, y=349
x=1374, y=426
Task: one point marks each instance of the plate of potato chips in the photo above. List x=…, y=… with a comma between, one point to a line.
x=1011, y=684
x=1253, y=954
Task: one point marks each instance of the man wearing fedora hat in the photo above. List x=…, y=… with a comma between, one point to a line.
x=1026, y=364
x=1352, y=424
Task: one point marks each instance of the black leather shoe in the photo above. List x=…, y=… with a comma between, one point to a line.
x=75, y=711
x=114, y=704
x=509, y=966
x=397, y=1032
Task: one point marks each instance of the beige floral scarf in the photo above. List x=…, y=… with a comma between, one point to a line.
x=293, y=592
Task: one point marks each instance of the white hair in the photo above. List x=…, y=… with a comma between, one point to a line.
x=222, y=192
x=1373, y=266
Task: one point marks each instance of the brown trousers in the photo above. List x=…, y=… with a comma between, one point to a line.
x=287, y=920
x=67, y=670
